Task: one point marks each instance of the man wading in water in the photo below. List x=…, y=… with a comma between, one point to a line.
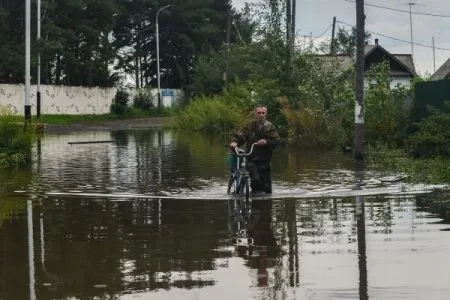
x=264, y=134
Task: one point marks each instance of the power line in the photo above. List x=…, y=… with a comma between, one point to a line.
x=405, y=11
x=319, y=36
x=315, y=38
x=397, y=39
x=323, y=33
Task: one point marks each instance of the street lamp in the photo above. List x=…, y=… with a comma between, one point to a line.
x=38, y=92
x=27, y=106
x=157, y=54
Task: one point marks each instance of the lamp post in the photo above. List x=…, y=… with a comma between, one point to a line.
x=27, y=106
x=38, y=93
x=157, y=54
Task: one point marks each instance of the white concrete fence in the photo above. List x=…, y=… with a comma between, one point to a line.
x=74, y=100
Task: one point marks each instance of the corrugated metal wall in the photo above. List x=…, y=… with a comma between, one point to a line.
x=430, y=93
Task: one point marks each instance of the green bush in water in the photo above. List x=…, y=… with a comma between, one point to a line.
x=15, y=140
x=432, y=138
x=208, y=115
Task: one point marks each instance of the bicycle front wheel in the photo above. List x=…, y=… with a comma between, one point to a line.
x=247, y=191
x=244, y=189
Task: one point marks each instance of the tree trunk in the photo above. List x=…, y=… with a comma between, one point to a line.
x=58, y=70
x=136, y=69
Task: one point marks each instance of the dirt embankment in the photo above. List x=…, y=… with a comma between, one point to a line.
x=110, y=125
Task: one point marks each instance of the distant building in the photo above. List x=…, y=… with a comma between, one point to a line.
x=443, y=72
x=402, y=69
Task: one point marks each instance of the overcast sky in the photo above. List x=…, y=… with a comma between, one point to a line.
x=390, y=25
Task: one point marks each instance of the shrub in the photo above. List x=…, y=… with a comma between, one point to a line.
x=387, y=108
x=143, y=100
x=208, y=115
x=119, y=106
x=432, y=138
x=15, y=140
x=312, y=127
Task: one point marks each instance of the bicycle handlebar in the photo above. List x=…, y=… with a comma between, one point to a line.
x=241, y=152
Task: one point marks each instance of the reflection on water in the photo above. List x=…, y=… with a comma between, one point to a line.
x=138, y=161
x=361, y=233
x=181, y=249
x=387, y=246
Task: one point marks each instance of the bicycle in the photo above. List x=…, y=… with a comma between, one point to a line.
x=239, y=179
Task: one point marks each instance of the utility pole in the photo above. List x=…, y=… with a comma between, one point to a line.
x=290, y=37
x=332, y=36
x=27, y=106
x=288, y=21
x=410, y=26
x=434, y=55
x=359, y=103
x=38, y=93
x=294, y=7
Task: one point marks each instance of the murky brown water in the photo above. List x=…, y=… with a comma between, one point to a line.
x=147, y=217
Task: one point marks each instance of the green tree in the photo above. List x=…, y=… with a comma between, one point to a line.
x=345, y=41
x=134, y=39
x=387, y=108
x=76, y=48
x=82, y=40
x=12, y=64
x=227, y=64
x=75, y=45
x=193, y=28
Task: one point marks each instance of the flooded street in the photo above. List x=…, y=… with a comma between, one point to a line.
x=145, y=215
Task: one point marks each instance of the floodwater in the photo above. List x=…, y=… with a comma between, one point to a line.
x=144, y=215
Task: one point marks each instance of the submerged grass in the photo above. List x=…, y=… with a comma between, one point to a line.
x=70, y=119
x=431, y=170
x=437, y=202
x=132, y=113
